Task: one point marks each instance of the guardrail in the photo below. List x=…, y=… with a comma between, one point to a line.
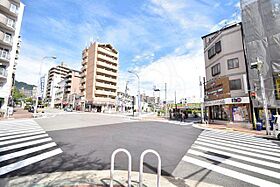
x=129, y=166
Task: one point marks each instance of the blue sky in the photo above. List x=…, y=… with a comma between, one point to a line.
x=160, y=39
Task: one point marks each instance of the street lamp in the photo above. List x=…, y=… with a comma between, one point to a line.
x=139, y=98
x=37, y=95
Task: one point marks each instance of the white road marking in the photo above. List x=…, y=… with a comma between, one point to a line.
x=20, y=132
x=24, y=144
x=22, y=139
x=19, y=127
x=240, y=157
x=28, y=161
x=273, y=149
x=239, y=151
x=21, y=135
x=17, y=131
x=237, y=164
x=239, y=147
x=26, y=151
x=239, y=139
x=231, y=173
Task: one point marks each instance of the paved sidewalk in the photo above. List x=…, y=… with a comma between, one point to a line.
x=231, y=128
x=95, y=178
x=19, y=113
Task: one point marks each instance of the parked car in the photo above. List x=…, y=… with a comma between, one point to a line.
x=68, y=109
x=31, y=109
x=40, y=109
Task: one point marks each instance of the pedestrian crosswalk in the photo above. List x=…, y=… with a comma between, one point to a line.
x=240, y=156
x=22, y=143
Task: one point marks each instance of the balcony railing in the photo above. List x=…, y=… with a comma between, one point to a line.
x=10, y=7
x=4, y=55
x=107, y=52
x=3, y=73
x=103, y=85
x=106, y=58
x=7, y=22
x=104, y=71
x=107, y=65
x=108, y=79
x=103, y=92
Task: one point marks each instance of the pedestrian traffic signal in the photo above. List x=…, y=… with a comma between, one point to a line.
x=253, y=95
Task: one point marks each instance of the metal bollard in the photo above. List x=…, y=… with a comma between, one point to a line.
x=141, y=167
x=113, y=163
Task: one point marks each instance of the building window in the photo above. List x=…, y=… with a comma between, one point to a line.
x=235, y=84
x=211, y=52
x=8, y=38
x=218, y=47
x=11, y=23
x=13, y=8
x=233, y=63
x=216, y=69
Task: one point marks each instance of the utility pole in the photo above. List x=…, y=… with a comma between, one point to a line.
x=165, y=89
x=201, y=100
x=259, y=66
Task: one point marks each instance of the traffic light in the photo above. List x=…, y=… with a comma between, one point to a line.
x=253, y=95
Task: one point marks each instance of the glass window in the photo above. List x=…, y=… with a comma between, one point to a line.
x=235, y=84
x=233, y=63
x=211, y=52
x=13, y=8
x=11, y=23
x=8, y=37
x=216, y=69
x=218, y=47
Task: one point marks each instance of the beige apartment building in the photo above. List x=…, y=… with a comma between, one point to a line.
x=99, y=76
x=226, y=87
x=11, y=13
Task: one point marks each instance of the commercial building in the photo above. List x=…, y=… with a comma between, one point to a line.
x=99, y=76
x=11, y=13
x=226, y=87
x=55, y=75
x=124, y=102
x=261, y=25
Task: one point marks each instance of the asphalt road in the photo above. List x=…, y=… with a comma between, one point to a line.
x=90, y=148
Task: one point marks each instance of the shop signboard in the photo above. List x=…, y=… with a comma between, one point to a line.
x=228, y=101
x=217, y=89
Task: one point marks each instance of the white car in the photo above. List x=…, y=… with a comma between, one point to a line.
x=276, y=127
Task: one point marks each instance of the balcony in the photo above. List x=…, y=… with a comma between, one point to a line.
x=107, y=72
x=108, y=79
x=7, y=23
x=107, y=65
x=3, y=73
x=84, y=68
x=6, y=39
x=107, y=52
x=83, y=80
x=103, y=92
x=106, y=58
x=4, y=56
x=104, y=100
x=83, y=74
x=103, y=85
x=9, y=8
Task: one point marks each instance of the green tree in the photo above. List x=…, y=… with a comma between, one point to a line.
x=17, y=95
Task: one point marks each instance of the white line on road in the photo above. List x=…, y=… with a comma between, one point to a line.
x=239, y=151
x=20, y=132
x=18, y=127
x=240, y=157
x=21, y=135
x=237, y=164
x=239, y=147
x=25, y=144
x=28, y=161
x=26, y=151
x=231, y=173
x=22, y=139
x=257, y=146
x=6, y=133
x=239, y=139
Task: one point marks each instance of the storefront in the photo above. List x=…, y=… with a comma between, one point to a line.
x=229, y=109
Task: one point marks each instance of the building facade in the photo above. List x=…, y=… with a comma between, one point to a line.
x=11, y=13
x=99, y=76
x=55, y=75
x=226, y=86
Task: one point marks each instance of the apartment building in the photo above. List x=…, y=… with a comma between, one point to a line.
x=99, y=76
x=226, y=91
x=55, y=75
x=67, y=89
x=11, y=13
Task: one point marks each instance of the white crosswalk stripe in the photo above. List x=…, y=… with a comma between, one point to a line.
x=238, y=155
x=22, y=143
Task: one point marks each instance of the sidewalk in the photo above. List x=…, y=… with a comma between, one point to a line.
x=97, y=179
x=230, y=128
x=19, y=113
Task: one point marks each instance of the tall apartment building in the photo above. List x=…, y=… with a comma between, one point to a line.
x=55, y=75
x=67, y=89
x=99, y=76
x=226, y=91
x=11, y=13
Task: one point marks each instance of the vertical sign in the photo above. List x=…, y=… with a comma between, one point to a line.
x=42, y=86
